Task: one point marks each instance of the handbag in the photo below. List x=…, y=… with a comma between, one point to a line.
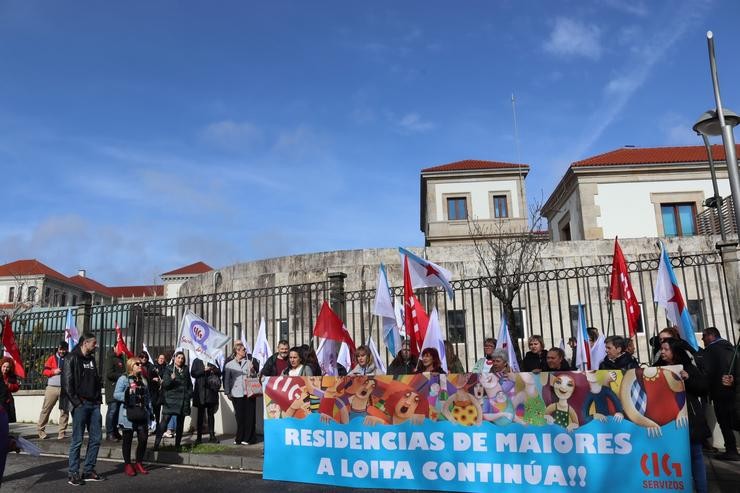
x=252, y=387
x=213, y=382
x=137, y=414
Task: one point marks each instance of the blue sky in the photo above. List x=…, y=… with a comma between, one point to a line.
x=137, y=137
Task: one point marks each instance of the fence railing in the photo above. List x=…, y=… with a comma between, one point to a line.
x=546, y=304
x=708, y=221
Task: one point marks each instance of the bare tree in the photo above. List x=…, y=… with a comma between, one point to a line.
x=507, y=254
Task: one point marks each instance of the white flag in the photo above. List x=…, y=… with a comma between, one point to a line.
x=344, y=358
x=384, y=309
x=379, y=365
x=433, y=339
x=262, y=350
x=243, y=337
x=598, y=352
x=201, y=338
x=328, y=356
x=146, y=350
x=504, y=342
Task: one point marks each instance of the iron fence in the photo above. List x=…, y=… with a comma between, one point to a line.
x=546, y=304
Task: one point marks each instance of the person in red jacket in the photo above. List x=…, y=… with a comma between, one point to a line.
x=53, y=393
x=7, y=368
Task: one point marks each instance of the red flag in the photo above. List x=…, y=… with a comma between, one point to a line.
x=416, y=319
x=330, y=326
x=11, y=348
x=621, y=289
x=121, y=347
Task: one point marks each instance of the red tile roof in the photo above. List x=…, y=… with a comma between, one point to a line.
x=475, y=164
x=137, y=291
x=30, y=267
x=653, y=155
x=196, y=268
x=89, y=284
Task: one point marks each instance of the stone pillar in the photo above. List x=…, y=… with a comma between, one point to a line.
x=85, y=312
x=336, y=294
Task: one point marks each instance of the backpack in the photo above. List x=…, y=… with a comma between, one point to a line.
x=213, y=382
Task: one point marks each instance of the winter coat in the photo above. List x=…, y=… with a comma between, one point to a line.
x=534, y=361
x=716, y=360
x=203, y=394
x=114, y=368
x=234, y=373
x=71, y=375
x=696, y=385
x=400, y=367
x=269, y=369
x=49, y=367
x=359, y=370
x=122, y=393
x=11, y=383
x=177, y=391
x=158, y=393
x=152, y=386
x=625, y=361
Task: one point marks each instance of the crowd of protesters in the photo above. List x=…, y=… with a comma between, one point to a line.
x=144, y=396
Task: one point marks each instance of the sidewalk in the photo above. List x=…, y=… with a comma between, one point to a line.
x=244, y=457
x=723, y=477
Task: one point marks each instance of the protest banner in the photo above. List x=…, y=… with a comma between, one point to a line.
x=518, y=432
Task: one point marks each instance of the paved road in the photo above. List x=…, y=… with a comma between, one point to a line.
x=49, y=474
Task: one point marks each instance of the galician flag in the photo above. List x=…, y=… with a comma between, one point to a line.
x=384, y=309
x=433, y=338
x=583, y=347
x=425, y=274
x=71, y=334
x=201, y=338
x=668, y=296
x=262, y=349
x=504, y=342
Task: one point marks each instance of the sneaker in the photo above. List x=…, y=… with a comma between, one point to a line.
x=75, y=480
x=168, y=434
x=93, y=476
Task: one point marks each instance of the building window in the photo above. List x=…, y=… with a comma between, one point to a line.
x=74, y=300
x=32, y=294
x=679, y=219
x=57, y=295
x=500, y=207
x=456, y=326
x=457, y=208
x=11, y=294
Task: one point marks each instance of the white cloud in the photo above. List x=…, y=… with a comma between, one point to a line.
x=573, y=38
x=677, y=130
x=231, y=135
x=637, y=7
x=413, y=123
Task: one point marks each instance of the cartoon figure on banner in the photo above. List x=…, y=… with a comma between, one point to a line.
x=360, y=401
x=496, y=406
x=652, y=397
x=529, y=407
x=561, y=412
x=462, y=407
x=601, y=400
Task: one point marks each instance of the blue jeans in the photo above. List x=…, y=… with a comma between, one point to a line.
x=698, y=468
x=111, y=418
x=84, y=416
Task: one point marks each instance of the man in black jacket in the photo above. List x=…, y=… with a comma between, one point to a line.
x=81, y=385
x=278, y=362
x=717, y=359
x=114, y=368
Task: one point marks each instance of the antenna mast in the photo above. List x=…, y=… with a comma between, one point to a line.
x=518, y=156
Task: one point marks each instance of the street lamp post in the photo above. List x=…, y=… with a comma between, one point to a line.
x=721, y=122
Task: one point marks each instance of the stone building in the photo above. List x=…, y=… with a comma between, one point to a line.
x=491, y=193
x=634, y=193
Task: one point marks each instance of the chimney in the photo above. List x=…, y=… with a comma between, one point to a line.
x=81, y=272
